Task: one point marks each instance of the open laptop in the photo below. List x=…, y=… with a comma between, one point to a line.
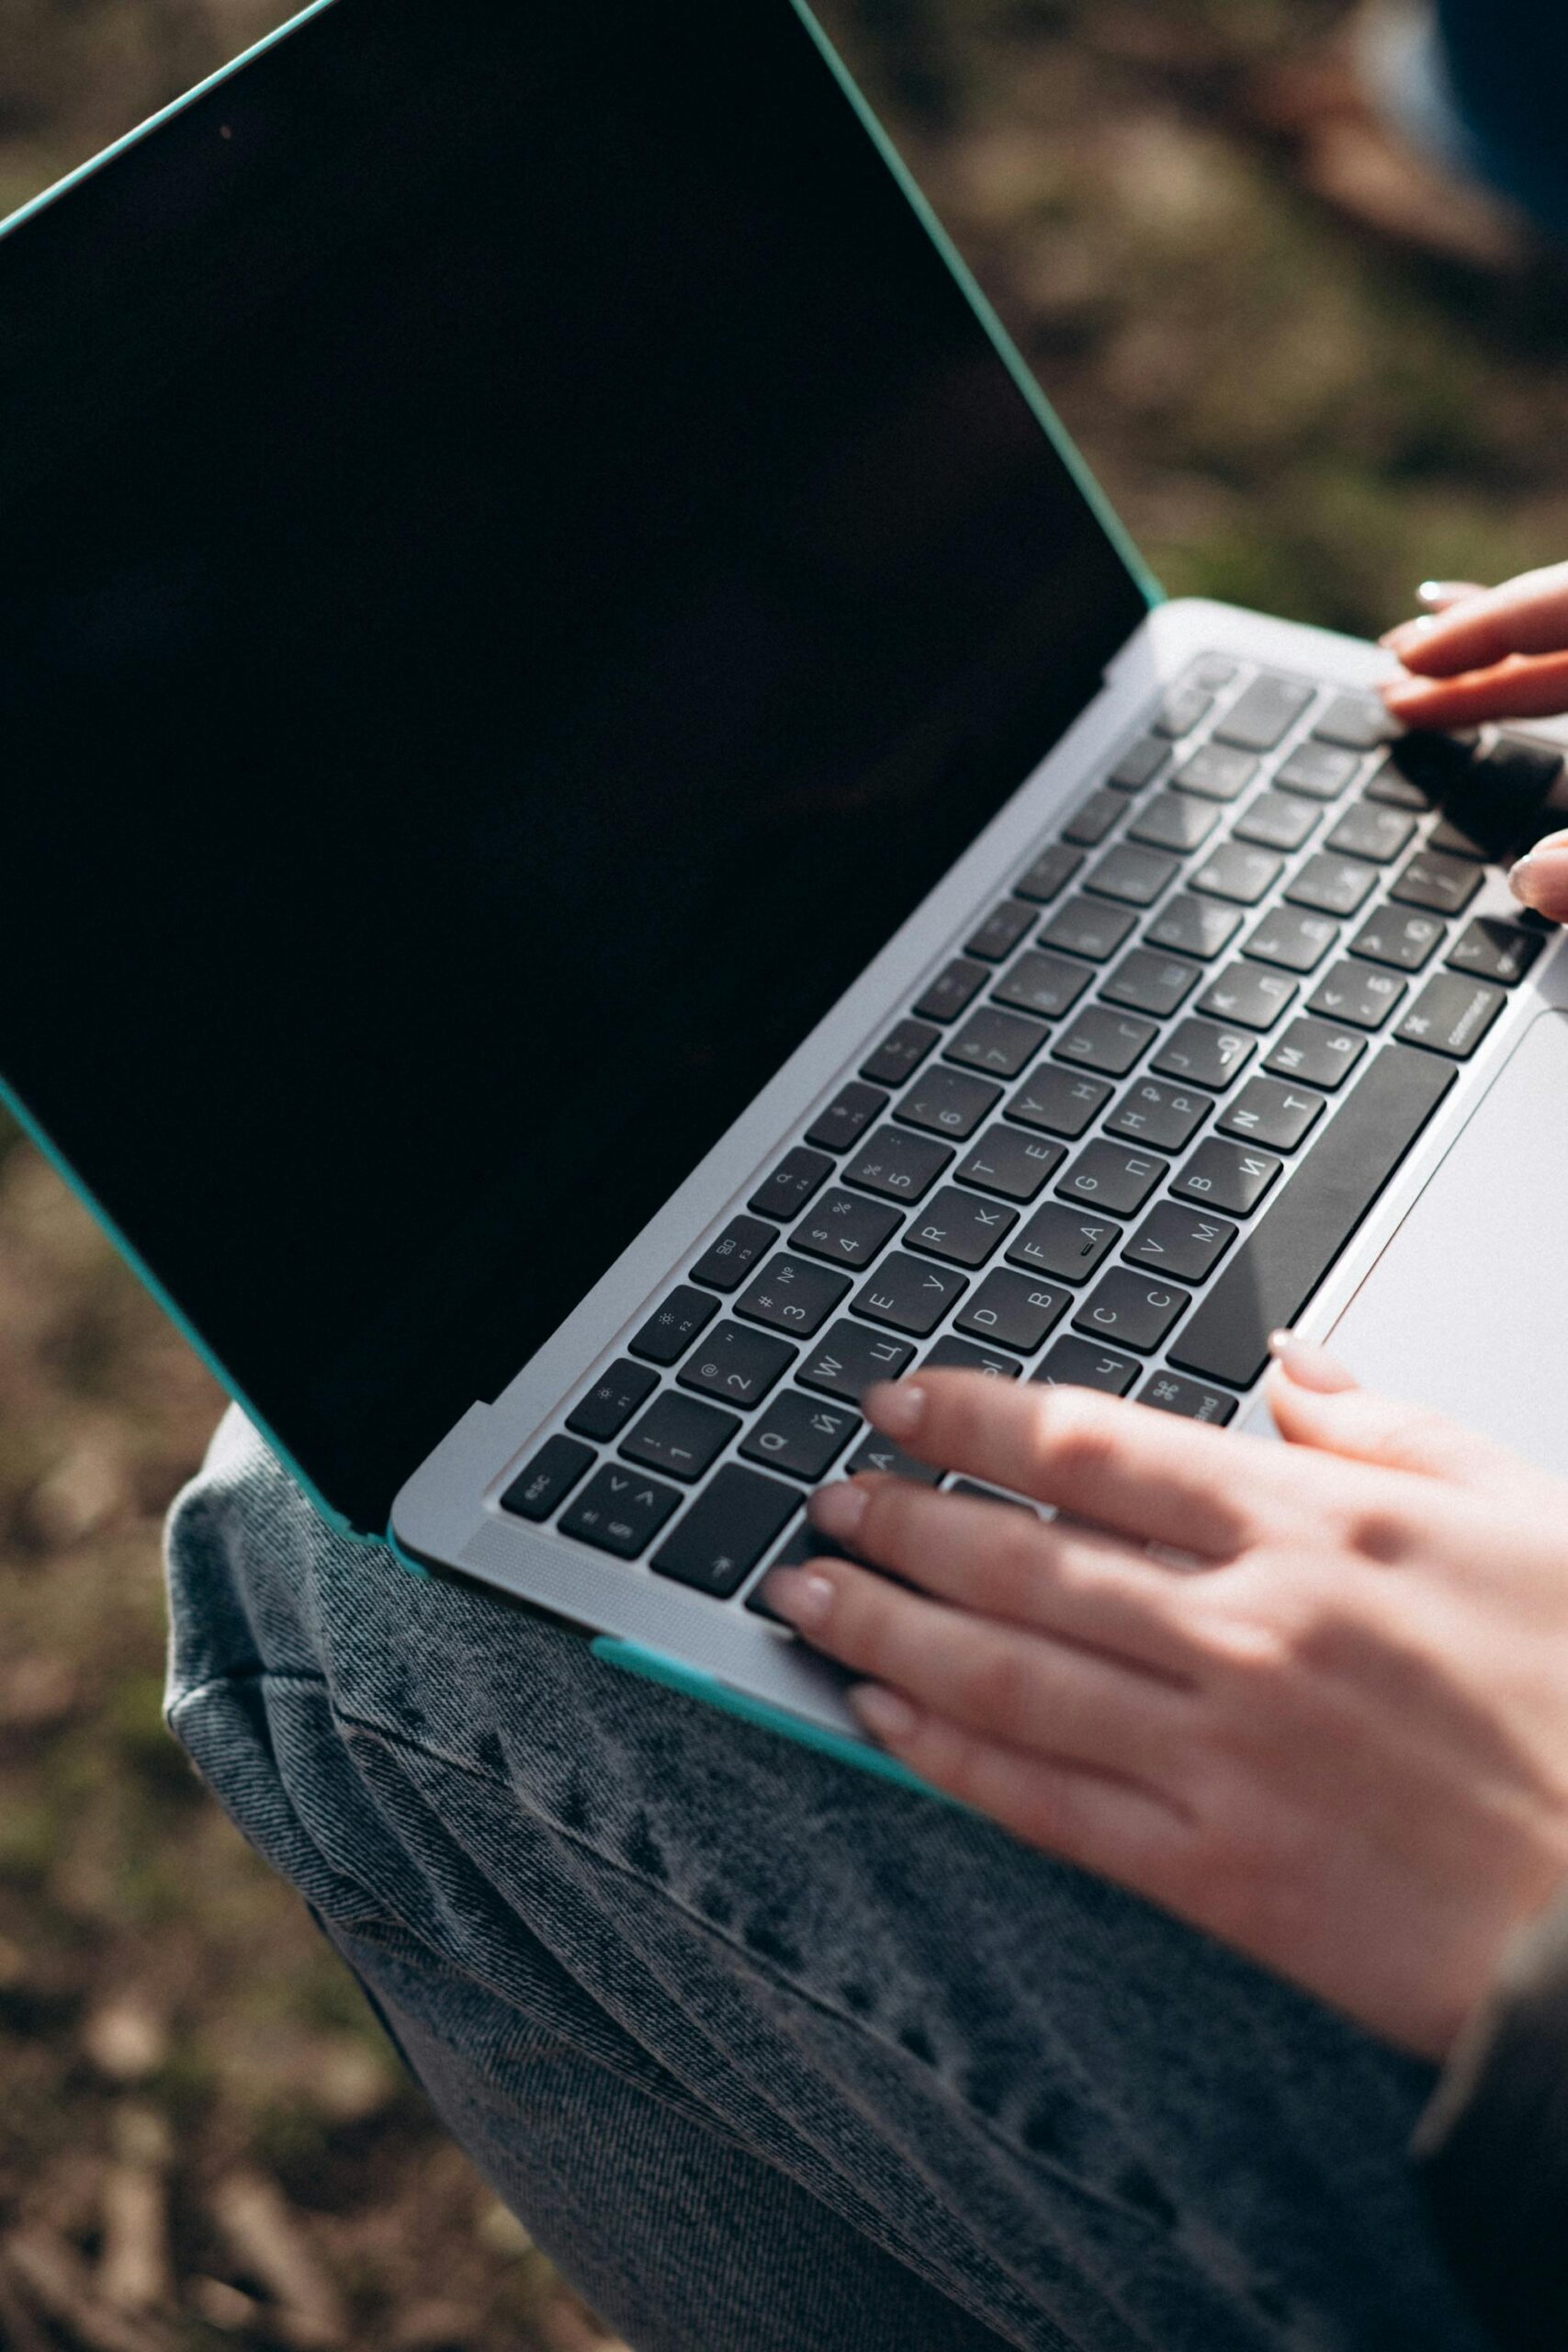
x=605, y=841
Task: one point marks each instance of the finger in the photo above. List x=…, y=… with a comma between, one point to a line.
x=1442, y=596
x=1529, y=614
x=1061, y=1578
x=993, y=1679
x=1109, y=1826
x=1515, y=688
x=1124, y=1467
x=1363, y=1426
x=1540, y=880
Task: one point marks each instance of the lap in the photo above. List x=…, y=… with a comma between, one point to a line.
x=1078, y=2122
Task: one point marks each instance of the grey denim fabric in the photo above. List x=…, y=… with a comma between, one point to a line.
x=767, y=2053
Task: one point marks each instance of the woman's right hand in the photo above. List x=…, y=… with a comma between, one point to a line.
x=1482, y=654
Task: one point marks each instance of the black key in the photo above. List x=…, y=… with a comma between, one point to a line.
x=1176, y=821
x=1334, y=886
x=1150, y=982
x=1131, y=1309
x=898, y=1165
x=1108, y=1176
x=849, y=1358
x=1316, y=771
x=620, y=1511
x=999, y=1043
x=963, y=1355
x=798, y=1174
x=1447, y=836
x=1359, y=722
x=1062, y=1242
x=848, y=1116
x=900, y=1053
x=1154, y=1112
x=1216, y=772
x=1444, y=883
x=1050, y=874
x=1183, y=708
x=1372, y=831
x=1089, y=823
x=1185, y=1242
x=1528, y=771
x=1239, y=872
x=678, y=1435
x=1098, y=1038
x=1452, y=1014
x=1001, y=931
x=1278, y=1268
x=727, y=1531
x=1493, y=950
x=845, y=1229
x=1270, y=1111
x=960, y=1226
x=668, y=1333
x=1198, y=1054
x=1058, y=1102
x=1397, y=790
x=800, y=1435
x=613, y=1400
x=1084, y=927
x=549, y=1479
x=1194, y=927
x=1227, y=1176
x=1139, y=763
x=880, y=1454
x=1264, y=712
x=1319, y=1053
x=1275, y=820
x=1168, y=1392
x=1047, y=985
x=978, y=1494
x=908, y=1292
x=790, y=1294
x=1294, y=939
x=1355, y=992
x=725, y=1264
x=948, y=1101
x=1390, y=936
x=1077, y=1364
x=954, y=990
x=1248, y=993
x=803, y=1545
x=1007, y=1161
x=1012, y=1310
x=736, y=1366
x=1135, y=876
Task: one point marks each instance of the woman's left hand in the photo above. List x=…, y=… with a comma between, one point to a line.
x=1338, y=1741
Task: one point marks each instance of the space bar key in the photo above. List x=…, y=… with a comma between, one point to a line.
x=1281, y=1264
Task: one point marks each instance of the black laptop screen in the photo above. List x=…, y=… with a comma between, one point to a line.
x=519, y=567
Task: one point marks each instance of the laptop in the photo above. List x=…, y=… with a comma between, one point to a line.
x=607, y=840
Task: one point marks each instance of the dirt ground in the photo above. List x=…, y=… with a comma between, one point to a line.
x=202, y=2139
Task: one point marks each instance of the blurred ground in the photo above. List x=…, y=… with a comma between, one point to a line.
x=202, y=2141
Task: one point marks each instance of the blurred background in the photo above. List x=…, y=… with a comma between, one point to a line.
x=1305, y=390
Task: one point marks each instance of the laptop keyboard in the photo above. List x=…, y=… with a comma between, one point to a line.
x=1120, y=1136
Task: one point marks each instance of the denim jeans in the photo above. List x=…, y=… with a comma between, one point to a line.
x=770, y=2056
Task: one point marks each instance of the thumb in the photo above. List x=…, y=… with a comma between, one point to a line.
x=1316, y=1402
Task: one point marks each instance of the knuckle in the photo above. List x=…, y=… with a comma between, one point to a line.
x=1380, y=1532
x=1074, y=1435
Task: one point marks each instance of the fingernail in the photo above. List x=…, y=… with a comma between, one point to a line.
x=1309, y=1365
x=806, y=1599
x=837, y=1509
x=1445, y=591
x=884, y=1713
x=1408, y=633
x=1542, y=870
x=896, y=1408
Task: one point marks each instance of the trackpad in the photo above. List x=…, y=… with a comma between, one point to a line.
x=1467, y=1308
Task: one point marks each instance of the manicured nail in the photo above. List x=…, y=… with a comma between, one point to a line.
x=884, y=1713
x=1435, y=594
x=1401, y=695
x=806, y=1599
x=1541, y=880
x=1409, y=633
x=896, y=1408
x=1308, y=1365
x=837, y=1509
